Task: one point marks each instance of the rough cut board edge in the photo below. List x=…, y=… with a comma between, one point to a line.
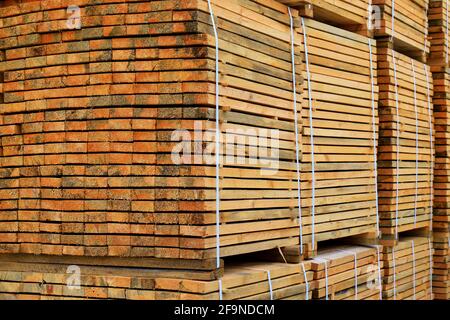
x=403, y=48
x=389, y=240
x=331, y=14
x=205, y=268
x=292, y=254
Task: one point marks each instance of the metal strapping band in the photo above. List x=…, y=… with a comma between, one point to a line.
x=297, y=144
x=431, y=267
x=375, y=143
x=395, y=273
x=398, y=145
x=430, y=122
x=393, y=19
x=379, y=273
x=306, y=282
x=311, y=128
x=326, y=275
x=211, y=12
x=220, y=290
x=416, y=196
x=270, y=284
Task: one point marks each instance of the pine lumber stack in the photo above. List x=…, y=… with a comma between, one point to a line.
x=346, y=14
x=340, y=197
x=406, y=146
x=441, y=214
x=404, y=24
x=438, y=17
x=87, y=119
x=334, y=267
x=441, y=260
x=242, y=281
x=408, y=269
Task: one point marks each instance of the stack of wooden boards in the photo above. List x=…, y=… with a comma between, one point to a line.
x=438, y=17
x=441, y=261
x=408, y=268
x=89, y=115
x=347, y=272
x=406, y=152
x=340, y=130
x=439, y=14
x=404, y=24
x=242, y=281
x=108, y=149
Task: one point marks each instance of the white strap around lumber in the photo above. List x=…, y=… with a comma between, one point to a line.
x=430, y=248
x=426, y=31
x=369, y=15
x=416, y=196
x=269, y=278
x=414, y=269
x=374, y=129
x=395, y=273
x=398, y=146
x=355, y=269
x=306, y=281
x=379, y=273
x=297, y=144
x=356, y=275
x=393, y=20
x=311, y=128
x=430, y=123
x=216, y=38
x=326, y=275
x=220, y=290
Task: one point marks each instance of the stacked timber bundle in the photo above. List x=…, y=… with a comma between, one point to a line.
x=242, y=281
x=89, y=118
x=406, y=151
x=408, y=268
x=403, y=24
x=439, y=61
x=347, y=272
x=340, y=130
x=441, y=260
x=346, y=14
x=438, y=17
x=441, y=214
